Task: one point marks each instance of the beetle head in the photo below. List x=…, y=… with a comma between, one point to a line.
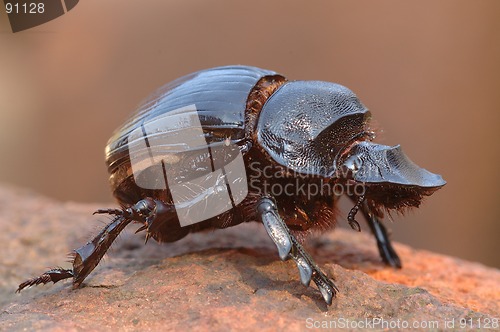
x=391, y=179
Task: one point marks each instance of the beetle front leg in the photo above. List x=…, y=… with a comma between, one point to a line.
x=289, y=247
x=387, y=252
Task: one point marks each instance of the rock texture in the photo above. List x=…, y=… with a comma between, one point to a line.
x=230, y=279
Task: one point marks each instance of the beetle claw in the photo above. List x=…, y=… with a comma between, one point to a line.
x=308, y=269
x=289, y=247
x=140, y=229
x=148, y=236
x=326, y=287
x=354, y=225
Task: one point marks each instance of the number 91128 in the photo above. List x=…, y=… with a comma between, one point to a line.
x=25, y=8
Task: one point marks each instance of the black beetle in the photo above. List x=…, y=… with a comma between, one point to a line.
x=266, y=149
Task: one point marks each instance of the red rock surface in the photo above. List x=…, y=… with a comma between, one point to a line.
x=230, y=279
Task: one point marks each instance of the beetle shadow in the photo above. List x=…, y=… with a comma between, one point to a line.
x=263, y=282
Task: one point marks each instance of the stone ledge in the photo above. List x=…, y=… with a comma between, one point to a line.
x=229, y=279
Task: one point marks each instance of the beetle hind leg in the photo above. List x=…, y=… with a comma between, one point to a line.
x=53, y=275
x=158, y=219
x=289, y=247
x=85, y=258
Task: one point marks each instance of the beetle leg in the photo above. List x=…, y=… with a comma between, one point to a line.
x=159, y=215
x=289, y=247
x=116, y=212
x=88, y=256
x=85, y=258
x=53, y=275
x=151, y=212
x=384, y=245
x=387, y=252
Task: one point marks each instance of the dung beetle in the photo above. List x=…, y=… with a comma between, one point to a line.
x=237, y=144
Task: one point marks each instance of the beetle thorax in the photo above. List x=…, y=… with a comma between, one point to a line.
x=305, y=124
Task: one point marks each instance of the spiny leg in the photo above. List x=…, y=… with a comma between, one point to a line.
x=147, y=210
x=289, y=247
x=387, y=252
x=85, y=258
x=53, y=275
x=88, y=256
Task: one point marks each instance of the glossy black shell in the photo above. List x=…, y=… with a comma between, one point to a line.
x=220, y=95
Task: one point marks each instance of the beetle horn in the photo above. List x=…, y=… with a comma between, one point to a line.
x=376, y=163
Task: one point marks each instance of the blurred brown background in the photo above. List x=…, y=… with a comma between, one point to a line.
x=429, y=71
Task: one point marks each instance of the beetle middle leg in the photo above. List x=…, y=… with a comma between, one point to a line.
x=289, y=247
